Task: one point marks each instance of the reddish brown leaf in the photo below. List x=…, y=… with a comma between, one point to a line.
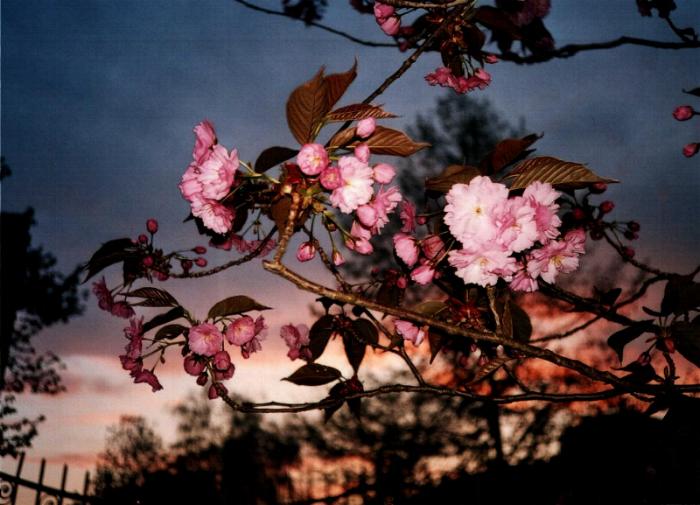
x=454, y=174
x=342, y=138
x=358, y=111
x=393, y=142
x=306, y=107
x=561, y=174
x=496, y=19
x=505, y=153
x=337, y=84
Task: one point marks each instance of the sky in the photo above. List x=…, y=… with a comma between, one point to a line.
x=98, y=103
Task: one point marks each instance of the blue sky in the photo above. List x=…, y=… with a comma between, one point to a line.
x=99, y=99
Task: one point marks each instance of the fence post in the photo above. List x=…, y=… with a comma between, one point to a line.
x=64, y=476
x=40, y=482
x=20, y=463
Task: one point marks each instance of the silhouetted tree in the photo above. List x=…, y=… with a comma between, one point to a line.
x=34, y=295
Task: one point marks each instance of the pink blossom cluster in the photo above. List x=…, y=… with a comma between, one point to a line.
x=297, y=339
x=207, y=342
x=444, y=77
x=132, y=361
x=105, y=301
x=208, y=179
x=352, y=190
x=514, y=238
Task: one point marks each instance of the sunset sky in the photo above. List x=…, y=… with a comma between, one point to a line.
x=98, y=103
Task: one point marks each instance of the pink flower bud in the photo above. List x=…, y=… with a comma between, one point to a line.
x=338, y=258
x=382, y=11
x=152, y=225
x=423, y=274
x=221, y=361
x=384, y=173
x=402, y=282
x=406, y=249
x=143, y=239
x=683, y=112
x=200, y=249
x=606, y=207
x=202, y=379
x=362, y=152
x=367, y=215
x=491, y=58
x=200, y=262
x=147, y=261
x=691, y=149
x=312, y=159
x=162, y=276
x=391, y=26
x=365, y=127
x=306, y=251
x=212, y=393
x=194, y=366
x=628, y=252
x=598, y=187
x=330, y=178
x=421, y=220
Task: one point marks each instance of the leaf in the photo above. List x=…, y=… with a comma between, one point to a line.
x=639, y=374
x=430, y=308
x=652, y=312
x=496, y=19
x=319, y=335
x=561, y=174
x=170, y=331
x=342, y=138
x=520, y=321
x=454, y=174
x=392, y=142
x=306, y=107
x=108, y=254
x=273, y=156
x=313, y=374
x=620, y=339
x=366, y=331
x=358, y=111
x=436, y=340
x=681, y=295
x=234, y=305
x=506, y=152
x=154, y=297
x=166, y=317
x=608, y=297
x=694, y=92
x=686, y=337
x=354, y=349
x=336, y=393
x=490, y=367
x=337, y=84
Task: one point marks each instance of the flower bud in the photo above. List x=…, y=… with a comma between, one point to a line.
x=628, y=252
x=152, y=225
x=683, y=112
x=633, y=226
x=200, y=249
x=691, y=149
x=194, y=366
x=606, y=207
x=365, y=127
x=306, y=251
x=338, y=258
x=578, y=214
x=384, y=173
x=147, y=261
x=423, y=274
x=391, y=26
x=202, y=379
x=143, y=239
x=200, y=262
x=367, y=215
x=362, y=152
x=598, y=187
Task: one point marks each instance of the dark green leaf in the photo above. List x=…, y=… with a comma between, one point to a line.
x=154, y=297
x=170, y=331
x=620, y=339
x=234, y=305
x=171, y=315
x=521, y=325
x=108, y=254
x=273, y=156
x=336, y=392
x=313, y=374
x=319, y=335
